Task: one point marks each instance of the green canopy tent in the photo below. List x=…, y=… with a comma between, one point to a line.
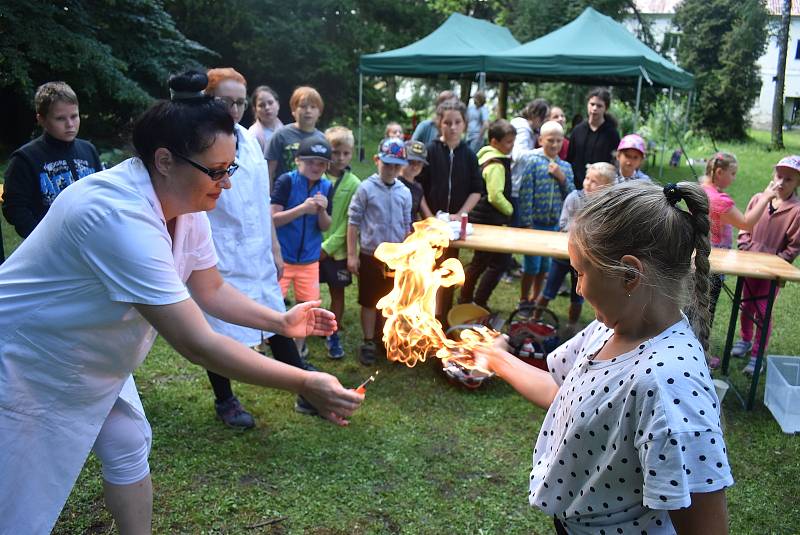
x=459, y=46
x=593, y=48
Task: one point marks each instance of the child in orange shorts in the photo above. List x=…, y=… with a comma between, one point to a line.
x=301, y=212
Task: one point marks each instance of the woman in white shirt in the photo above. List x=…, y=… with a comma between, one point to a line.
x=125, y=254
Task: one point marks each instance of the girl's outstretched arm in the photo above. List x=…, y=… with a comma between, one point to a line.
x=535, y=385
x=708, y=515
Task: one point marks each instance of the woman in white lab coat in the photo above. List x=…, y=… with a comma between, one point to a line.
x=249, y=255
x=121, y=255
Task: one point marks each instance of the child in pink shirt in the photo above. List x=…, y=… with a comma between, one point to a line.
x=776, y=231
x=721, y=171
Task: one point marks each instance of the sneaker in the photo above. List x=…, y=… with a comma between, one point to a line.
x=335, y=349
x=366, y=354
x=233, y=414
x=507, y=278
x=307, y=366
x=302, y=406
x=750, y=369
x=304, y=350
x=741, y=349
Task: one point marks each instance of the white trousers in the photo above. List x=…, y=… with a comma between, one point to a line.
x=123, y=445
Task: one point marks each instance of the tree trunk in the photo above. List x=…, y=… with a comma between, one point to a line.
x=780, y=78
x=466, y=88
x=502, y=100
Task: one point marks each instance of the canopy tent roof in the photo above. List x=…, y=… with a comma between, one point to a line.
x=591, y=48
x=460, y=45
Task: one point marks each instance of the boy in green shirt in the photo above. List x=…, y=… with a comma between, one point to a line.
x=333, y=258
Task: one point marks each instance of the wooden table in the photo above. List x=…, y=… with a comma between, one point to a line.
x=739, y=264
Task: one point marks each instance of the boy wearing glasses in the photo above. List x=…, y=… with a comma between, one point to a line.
x=307, y=106
x=301, y=211
x=41, y=169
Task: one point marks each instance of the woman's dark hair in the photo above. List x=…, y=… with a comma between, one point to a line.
x=188, y=123
x=537, y=108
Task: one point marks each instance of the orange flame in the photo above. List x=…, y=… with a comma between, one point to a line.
x=411, y=332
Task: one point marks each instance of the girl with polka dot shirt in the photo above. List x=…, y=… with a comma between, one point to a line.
x=631, y=442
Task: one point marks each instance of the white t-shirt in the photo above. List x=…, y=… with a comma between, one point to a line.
x=69, y=335
x=523, y=144
x=241, y=226
x=629, y=438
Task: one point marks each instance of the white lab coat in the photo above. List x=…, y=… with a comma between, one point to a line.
x=241, y=226
x=69, y=336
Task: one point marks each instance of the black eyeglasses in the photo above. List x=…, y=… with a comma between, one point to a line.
x=213, y=174
x=229, y=102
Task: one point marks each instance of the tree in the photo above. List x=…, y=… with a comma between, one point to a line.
x=307, y=42
x=115, y=54
x=780, y=78
x=721, y=43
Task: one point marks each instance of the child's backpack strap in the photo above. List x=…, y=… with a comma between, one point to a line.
x=490, y=161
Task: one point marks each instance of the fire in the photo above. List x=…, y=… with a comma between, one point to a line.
x=411, y=331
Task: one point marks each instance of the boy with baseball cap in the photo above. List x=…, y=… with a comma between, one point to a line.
x=417, y=156
x=631, y=152
x=380, y=211
x=301, y=211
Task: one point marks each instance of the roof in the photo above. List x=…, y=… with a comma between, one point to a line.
x=459, y=45
x=659, y=7
x=592, y=48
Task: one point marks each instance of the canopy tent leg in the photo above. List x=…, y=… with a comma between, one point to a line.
x=666, y=133
x=481, y=81
x=360, y=112
x=638, y=100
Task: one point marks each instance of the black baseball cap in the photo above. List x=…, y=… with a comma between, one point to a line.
x=314, y=148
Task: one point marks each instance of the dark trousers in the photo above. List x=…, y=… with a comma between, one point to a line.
x=284, y=349
x=491, y=266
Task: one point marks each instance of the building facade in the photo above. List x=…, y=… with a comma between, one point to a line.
x=659, y=14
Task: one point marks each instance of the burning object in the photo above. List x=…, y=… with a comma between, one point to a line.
x=411, y=332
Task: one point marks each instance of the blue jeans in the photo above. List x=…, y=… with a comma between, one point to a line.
x=558, y=270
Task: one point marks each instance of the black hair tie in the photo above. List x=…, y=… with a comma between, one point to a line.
x=672, y=193
x=186, y=95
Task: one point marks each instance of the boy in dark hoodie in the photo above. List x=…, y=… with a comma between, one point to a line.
x=494, y=208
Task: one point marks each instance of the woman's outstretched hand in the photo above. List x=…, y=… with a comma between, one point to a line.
x=306, y=320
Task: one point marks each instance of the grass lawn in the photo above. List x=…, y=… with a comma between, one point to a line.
x=421, y=456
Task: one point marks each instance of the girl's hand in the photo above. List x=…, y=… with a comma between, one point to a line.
x=305, y=320
x=494, y=358
x=771, y=191
x=330, y=398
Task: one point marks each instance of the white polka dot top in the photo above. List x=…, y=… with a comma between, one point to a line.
x=627, y=439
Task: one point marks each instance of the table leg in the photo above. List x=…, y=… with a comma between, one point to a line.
x=737, y=303
x=765, y=321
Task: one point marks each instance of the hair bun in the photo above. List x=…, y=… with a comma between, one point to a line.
x=673, y=193
x=188, y=85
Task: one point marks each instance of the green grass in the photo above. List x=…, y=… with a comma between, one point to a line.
x=422, y=456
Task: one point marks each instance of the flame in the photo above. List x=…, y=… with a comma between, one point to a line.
x=411, y=332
